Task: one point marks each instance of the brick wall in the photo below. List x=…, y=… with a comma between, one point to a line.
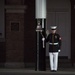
x=14, y=38
x=21, y=44
x=14, y=17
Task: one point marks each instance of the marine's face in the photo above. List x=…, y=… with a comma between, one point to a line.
x=53, y=31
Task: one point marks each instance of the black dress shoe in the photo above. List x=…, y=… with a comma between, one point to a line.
x=53, y=70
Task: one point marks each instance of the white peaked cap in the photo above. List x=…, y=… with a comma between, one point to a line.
x=53, y=27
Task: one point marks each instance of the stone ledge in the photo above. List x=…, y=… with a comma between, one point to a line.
x=14, y=65
x=15, y=7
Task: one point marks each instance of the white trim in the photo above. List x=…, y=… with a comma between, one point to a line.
x=15, y=11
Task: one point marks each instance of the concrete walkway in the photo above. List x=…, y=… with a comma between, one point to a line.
x=61, y=71
x=64, y=68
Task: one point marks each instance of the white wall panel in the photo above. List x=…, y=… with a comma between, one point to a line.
x=58, y=13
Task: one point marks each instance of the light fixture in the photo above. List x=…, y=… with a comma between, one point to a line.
x=38, y=28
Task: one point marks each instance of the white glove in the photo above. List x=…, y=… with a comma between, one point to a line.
x=59, y=50
x=47, y=32
x=43, y=39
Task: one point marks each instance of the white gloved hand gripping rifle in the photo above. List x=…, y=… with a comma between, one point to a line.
x=43, y=40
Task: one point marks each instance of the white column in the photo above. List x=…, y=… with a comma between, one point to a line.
x=40, y=14
x=40, y=10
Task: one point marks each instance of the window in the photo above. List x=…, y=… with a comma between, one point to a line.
x=14, y=26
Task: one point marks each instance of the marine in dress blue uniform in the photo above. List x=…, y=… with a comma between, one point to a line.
x=54, y=40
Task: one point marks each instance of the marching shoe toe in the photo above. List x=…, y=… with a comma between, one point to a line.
x=53, y=70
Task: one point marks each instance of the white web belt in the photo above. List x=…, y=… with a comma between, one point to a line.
x=53, y=43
